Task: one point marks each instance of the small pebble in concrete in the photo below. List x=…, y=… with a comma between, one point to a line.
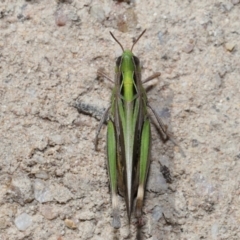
x=23, y=221
x=229, y=46
x=70, y=224
x=157, y=213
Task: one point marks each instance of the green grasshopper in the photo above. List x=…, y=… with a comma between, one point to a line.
x=128, y=134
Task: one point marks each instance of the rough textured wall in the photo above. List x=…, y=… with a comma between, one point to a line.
x=53, y=184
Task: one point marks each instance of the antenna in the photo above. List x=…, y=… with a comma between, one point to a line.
x=138, y=39
x=117, y=41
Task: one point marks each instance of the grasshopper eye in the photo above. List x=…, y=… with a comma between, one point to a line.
x=136, y=60
x=118, y=62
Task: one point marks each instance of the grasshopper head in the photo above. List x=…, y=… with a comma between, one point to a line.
x=125, y=62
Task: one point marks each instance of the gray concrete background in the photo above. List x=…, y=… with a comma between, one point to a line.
x=54, y=185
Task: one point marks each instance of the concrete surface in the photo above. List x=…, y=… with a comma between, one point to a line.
x=54, y=185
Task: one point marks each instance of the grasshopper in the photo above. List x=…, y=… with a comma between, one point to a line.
x=128, y=134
